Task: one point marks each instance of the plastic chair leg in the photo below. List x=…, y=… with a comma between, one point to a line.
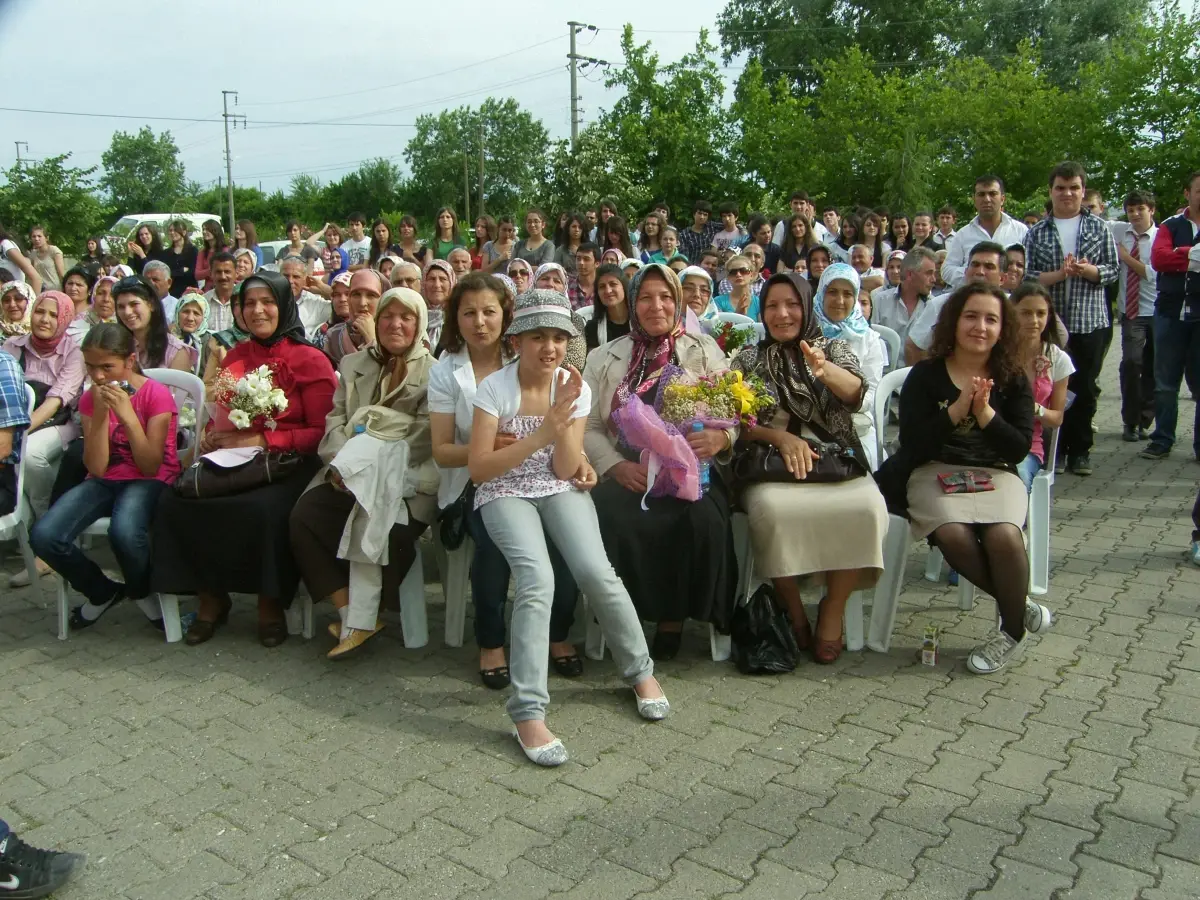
x=854, y=622
x=966, y=594
x=887, y=589
x=933, y=565
x=455, y=575
x=64, y=609
x=172, y=627
x=27, y=556
x=412, y=606
x=721, y=645
x=1039, y=537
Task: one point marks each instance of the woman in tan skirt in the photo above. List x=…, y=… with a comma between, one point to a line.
x=834, y=530
x=968, y=409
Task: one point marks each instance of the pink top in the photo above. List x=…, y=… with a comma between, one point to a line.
x=63, y=370
x=151, y=399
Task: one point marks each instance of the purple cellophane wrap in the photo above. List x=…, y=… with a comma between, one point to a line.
x=678, y=471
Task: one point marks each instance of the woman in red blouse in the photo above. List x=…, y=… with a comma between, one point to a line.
x=239, y=544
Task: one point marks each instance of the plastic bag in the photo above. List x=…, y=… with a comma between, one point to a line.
x=763, y=641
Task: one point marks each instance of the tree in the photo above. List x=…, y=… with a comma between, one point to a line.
x=142, y=172
x=373, y=187
x=443, y=156
x=56, y=196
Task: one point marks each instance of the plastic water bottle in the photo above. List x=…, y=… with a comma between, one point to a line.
x=360, y=429
x=703, y=463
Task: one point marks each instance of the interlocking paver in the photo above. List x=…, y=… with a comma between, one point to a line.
x=230, y=771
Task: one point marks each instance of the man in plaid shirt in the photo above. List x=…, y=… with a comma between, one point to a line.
x=697, y=237
x=14, y=419
x=1073, y=254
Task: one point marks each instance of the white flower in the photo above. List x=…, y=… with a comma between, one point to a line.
x=187, y=417
x=278, y=399
x=240, y=418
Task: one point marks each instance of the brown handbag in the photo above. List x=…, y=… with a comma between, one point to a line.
x=203, y=480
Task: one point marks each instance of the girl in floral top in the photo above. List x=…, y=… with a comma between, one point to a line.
x=535, y=413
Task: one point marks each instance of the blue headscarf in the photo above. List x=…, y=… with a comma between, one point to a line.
x=855, y=323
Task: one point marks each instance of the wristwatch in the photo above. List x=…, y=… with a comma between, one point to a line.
x=1039, y=410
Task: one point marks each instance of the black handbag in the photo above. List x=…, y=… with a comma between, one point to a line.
x=762, y=639
x=62, y=415
x=452, y=522
x=834, y=462
x=204, y=480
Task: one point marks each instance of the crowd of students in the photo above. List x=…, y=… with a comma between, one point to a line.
x=478, y=382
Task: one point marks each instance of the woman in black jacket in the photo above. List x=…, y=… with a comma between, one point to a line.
x=968, y=411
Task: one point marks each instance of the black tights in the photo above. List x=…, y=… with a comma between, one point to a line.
x=991, y=557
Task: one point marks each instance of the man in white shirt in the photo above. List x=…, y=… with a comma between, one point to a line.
x=987, y=264
x=832, y=220
x=899, y=307
x=1136, y=293
x=223, y=276
x=946, y=217
x=158, y=273
x=990, y=224
x=802, y=205
x=314, y=311
x=358, y=245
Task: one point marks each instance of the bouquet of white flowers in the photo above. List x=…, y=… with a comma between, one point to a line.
x=250, y=400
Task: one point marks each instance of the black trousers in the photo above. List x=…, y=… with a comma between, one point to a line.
x=1137, y=372
x=1087, y=352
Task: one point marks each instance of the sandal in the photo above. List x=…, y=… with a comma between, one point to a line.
x=496, y=679
x=568, y=666
x=825, y=652
x=201, y=631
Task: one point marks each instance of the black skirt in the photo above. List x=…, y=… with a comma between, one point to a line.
x=677, y=559
x=239, y=544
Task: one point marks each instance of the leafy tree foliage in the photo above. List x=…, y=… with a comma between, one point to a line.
x=57, y=196
x=142, y=172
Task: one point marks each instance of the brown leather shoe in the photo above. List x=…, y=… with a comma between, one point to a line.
x=201, y=631
x=272, y=634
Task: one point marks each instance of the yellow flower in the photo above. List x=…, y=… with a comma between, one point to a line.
x=742, y=393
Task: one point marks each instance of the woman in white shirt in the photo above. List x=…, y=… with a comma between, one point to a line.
x=837, y=310
x=1046, y=365
x=477, y=314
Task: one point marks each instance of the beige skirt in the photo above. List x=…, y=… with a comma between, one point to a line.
x=929, y=507
x=802, y=529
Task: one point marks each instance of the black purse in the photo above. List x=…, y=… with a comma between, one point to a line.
x=761, y=462
x=203, y=480
x=452, y=522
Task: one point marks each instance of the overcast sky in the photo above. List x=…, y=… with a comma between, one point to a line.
x=174, y=57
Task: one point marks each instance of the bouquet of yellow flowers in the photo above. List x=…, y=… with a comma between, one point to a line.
x=715, y=401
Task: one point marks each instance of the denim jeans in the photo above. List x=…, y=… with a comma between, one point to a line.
x=1176, y=351
x=519, y=528
x=1028, y=469
x=130, y=506
x=489, y=589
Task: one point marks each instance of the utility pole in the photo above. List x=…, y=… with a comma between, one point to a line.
x=21, y=144
x=575, y=28
x=466, y=190
x=227, y=115
x=490, y=236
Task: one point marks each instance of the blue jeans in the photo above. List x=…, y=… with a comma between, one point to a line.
x=489, y=589
x=1028, y=469
x=1176, y=351
x=130, y=506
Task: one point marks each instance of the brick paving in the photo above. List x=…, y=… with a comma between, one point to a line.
x=230, y=771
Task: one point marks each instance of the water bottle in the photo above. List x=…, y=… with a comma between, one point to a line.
x=703, y=463
x=360, y=429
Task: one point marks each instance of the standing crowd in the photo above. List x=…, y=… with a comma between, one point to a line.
x=369, y=385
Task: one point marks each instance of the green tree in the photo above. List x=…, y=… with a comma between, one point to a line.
x=142, y=172
x=373, y=187
x=446, y=146
x=52, y=194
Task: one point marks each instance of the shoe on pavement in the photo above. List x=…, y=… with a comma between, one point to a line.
x=993, y=656
x=1038, y=618
x=1195, y=553
x=27, y=872
x=21, y=579
x=355, y=639
x=1060, y=465
x=1155, y=451
x=1080, y=465
x=1129, y=434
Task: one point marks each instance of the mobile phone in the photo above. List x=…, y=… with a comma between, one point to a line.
x=128, y=388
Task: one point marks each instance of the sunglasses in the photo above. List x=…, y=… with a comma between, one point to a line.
x=738, y=271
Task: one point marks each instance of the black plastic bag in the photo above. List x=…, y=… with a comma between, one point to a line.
x=763, y=641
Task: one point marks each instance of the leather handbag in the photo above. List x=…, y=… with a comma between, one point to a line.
x=203, y=480
x=761, y=462
x=452, y=523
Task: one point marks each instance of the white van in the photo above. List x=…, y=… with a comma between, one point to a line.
x=126, y=227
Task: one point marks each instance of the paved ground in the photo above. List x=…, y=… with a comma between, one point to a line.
x=230, y=771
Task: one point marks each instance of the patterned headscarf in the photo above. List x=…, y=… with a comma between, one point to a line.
x=92, y=317
x=437, y=317
x=650, y=353
x=855, y=323
x=551, y=267
x=66, y=315
x=415, y=303
x=617, y=258
x=199, y=337
x=21, y=326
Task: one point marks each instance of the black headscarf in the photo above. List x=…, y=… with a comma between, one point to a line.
x=289, y=325
x=810, y=330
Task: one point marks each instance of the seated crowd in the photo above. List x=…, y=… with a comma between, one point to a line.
x=480, y=389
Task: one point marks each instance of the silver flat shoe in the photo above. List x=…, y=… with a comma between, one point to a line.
x=549, y=755
x=654, y=709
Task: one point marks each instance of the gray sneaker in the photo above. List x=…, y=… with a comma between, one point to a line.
x=1038, y=618
x=993, y=656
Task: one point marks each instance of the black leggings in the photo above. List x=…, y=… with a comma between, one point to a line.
x=991, y=557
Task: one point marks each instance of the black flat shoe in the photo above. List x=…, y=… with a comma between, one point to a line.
x=200, y=631
x=272, y=634
x=568, y=666
x=495, y=679
x=76, y=621
x=666, y=645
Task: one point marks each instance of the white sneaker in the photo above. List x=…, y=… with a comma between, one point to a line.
x=1195, y=553
x=1038, y=618
x=993, y=656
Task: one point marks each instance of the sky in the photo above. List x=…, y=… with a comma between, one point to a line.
x=302, y=61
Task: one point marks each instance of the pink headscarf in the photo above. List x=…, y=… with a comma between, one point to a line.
x=66, y=315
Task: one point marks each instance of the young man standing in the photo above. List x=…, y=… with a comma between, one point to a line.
x=832, y=220
x=581, y=287
x=729, y=235
x=358, y=245
x=1135, y=308
x=990, y=224
x=223, y=275
x=697, y=237
x=946, y=217
x=1175, y=256
x=801, y=205
x=1074, y=255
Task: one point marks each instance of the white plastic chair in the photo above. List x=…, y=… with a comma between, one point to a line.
x=16, y=524
x=734, y=318
x=586, y=313
x=455, y=569
x=1038, y=528
x=193, y=387
x=895, y=346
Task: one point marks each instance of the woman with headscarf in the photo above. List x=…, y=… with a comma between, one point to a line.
x=53, y=367
x=612, y=255
x=521, y=273
x=101, y=308
x=339, y=307
x=677, y=558
x=245, y=263
x=191, y=327
x=553, y=277
x=841, y=318
x=239, y=543
x=384, y=388
x=610, y=308
x=436, y=285
x=357, y=331
x=16, y=306
x=697, y=286
x=799, y=529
